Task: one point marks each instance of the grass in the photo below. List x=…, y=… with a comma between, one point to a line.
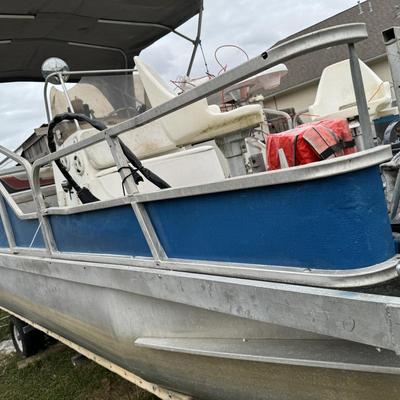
x=55, y=378
x=4, y=333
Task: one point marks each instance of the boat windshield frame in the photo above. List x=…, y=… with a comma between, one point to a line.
x=60, y=76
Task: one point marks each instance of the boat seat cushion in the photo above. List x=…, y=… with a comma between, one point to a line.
x=146, y=141
x=197, y=122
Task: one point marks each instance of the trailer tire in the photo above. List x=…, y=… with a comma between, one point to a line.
x=26, y=342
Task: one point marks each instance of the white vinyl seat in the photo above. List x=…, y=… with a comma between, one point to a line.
x=336, y=98
x=146, y=141
x=94, y=166
x=197, y=122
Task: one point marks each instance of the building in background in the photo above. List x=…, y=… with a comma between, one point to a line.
x=299, y=87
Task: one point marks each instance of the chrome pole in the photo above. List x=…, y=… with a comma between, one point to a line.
x=67, y=98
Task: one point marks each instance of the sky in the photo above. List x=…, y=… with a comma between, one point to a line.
x=254, y=25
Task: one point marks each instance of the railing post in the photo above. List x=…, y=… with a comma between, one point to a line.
x=391, y=38
x=34, y=183
x=7, y=225
x=143, y=218
x=38, y=198
x=366, y=140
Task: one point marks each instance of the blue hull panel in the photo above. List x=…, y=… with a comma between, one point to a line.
x=3, y=237
x=334, y=223
x=112, y=231
x=26, y=232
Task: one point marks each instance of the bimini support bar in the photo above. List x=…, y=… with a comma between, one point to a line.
x=107, y=48
x=197, y=41
x=146, y=24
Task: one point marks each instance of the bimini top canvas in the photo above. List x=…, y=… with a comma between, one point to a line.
x=88, y=34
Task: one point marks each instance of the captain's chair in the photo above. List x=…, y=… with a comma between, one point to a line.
x=94, y=167
x=336, y=99
x=197, y=122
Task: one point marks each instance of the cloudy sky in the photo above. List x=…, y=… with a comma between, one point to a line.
x=254, y=25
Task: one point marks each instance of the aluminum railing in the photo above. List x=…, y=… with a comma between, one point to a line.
x=4, y=195
x=344, y=34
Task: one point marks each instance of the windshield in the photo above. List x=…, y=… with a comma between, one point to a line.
x=109, y=98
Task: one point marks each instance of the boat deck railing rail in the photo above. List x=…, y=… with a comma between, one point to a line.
x=339, y=35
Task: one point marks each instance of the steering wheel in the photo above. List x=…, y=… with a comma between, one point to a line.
x=115, y=113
